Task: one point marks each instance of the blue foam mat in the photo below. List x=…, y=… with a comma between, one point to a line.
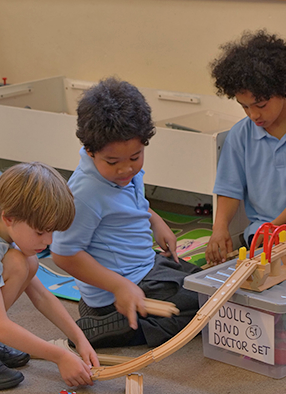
x=63, y=286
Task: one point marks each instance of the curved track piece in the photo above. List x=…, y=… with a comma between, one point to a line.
x=208, y=310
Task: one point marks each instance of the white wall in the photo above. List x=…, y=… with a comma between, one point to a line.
x=164, y=44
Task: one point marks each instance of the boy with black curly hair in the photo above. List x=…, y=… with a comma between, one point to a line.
x=108, y=248
x=252, y=164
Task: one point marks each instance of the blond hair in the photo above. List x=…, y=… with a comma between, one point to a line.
x=37, y=194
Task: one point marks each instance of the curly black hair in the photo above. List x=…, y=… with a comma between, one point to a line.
x=256, y=63
x=113, y=111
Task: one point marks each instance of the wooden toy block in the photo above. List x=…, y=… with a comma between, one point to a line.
x=134, y=383
x=256, y=281
x=275, y=267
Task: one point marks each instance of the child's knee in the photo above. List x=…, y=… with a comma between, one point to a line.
x=33, y=265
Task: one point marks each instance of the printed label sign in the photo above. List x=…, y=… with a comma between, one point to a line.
x=243, y=330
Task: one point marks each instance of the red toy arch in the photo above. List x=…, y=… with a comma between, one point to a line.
x=266, y=229
x=275, y=239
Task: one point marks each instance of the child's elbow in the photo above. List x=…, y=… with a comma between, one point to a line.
x=58, y=260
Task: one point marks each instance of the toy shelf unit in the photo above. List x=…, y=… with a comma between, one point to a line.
x=249, y=330
x=187, y=148
x=38, y=122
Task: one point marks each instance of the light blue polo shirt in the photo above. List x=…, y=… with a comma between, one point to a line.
x=252, y=167
x=111, y=224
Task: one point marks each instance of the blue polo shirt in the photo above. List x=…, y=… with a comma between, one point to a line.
x=252, y=167
x=111, y=224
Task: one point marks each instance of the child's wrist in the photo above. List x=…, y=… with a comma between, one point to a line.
x=55, y=354
x=220, y=226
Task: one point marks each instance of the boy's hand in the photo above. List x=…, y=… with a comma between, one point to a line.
x=163, y=235
x=87, y=353
x=74, y=371
x=129, y=301
x=166, y=239
x=170, y=248
x=220, y=244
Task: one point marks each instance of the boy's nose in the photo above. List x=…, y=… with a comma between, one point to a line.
x=125, y=169
x=254, y=114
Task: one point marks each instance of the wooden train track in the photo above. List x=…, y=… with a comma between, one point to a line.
x=134, y=383
x=208, y=310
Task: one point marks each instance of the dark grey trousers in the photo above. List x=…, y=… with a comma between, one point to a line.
x=164, y=282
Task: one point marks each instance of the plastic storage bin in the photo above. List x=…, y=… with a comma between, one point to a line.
x=249, y=331
x=206, y=122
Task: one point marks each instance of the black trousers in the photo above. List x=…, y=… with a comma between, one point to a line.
x=165, y=282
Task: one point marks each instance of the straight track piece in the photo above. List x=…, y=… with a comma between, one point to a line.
x=160, y=308
x=134, y=383
x=104, y=359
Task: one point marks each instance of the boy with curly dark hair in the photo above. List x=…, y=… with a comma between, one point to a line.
x=108, y=248
x=252, y=164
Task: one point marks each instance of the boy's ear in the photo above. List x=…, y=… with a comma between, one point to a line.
x=7, y=220
x=89, y=153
